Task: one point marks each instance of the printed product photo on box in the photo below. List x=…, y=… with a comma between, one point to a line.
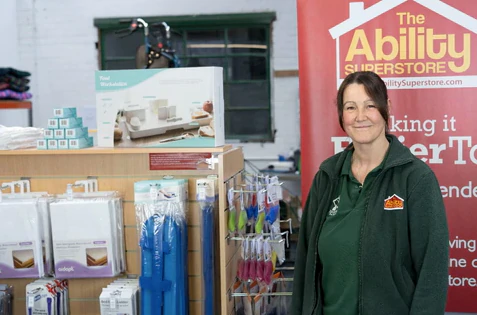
x=176, y=107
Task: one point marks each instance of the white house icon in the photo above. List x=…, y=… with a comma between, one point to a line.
x=358, y=16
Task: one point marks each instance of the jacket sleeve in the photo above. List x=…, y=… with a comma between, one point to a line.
x=306, y=226
x=429, y=238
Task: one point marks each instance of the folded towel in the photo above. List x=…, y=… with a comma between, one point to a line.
x=12, y=95
x=14, y=87
x=8, y=78
x=15, y=72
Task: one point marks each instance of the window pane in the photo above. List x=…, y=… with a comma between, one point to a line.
x=247, y=68
x=248, y=95
x=248, y=122
x=119, y=65
x=205, y=62
x=206, y=42
x=121, y=47
x=247, y=40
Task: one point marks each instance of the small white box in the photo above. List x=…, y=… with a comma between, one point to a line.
x=72, y=122
x=49, y=134
x=66, y=112
x=52, y=144
x=80, y=143
x=75, y=133
x=59, y=134
x=42, y=144
x=63, y=144
x=53, y=123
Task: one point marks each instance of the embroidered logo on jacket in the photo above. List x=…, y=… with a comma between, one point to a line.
x=394, y=203
x=334, y=210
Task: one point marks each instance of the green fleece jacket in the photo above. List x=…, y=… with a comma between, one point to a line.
x=403, y=253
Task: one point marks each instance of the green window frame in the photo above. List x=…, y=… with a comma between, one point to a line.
x=248, y=114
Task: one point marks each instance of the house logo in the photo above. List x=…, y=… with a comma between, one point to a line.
x=411, y=44
x=394, y=203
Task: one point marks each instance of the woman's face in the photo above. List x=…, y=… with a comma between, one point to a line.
x=362, y=120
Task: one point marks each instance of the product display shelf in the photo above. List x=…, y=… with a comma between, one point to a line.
x=118, y=169
x=20, y=105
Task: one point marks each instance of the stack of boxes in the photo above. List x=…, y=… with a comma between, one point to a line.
x=65, y=131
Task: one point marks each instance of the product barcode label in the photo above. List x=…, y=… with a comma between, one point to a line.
x=48, y=132
x=70, y=132
x=74, y=142
x=58, y=132
x=63, y=142
x=52, y=142
x=42, y=143
x=52, y=122
x=58, y=112
x=63, y=122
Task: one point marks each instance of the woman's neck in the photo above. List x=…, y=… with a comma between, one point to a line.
x=366, y=157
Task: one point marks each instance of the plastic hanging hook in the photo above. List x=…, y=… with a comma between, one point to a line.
x=69, y=191
x=153, y=192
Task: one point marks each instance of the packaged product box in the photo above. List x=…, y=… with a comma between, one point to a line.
x=173, y=107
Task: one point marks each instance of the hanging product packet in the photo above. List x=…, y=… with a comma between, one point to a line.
x=241, y=265
x=23, y=242
x=252, y=206
x=242, y=221
x=279, y=243
x=268, y=264
x=232, y=220
x=274, y=194
x=88, y=234
x=261, y=211
x=246, y=265
x=260, y=258
x=161, y=207
x=6, y=296
x=252, y=273
x=207, y=197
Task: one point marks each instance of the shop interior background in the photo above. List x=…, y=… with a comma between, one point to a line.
x=56, y=41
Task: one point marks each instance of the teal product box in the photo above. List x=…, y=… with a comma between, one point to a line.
x=42, y=144
x=80, y=143
x=68, y=112
x=52, y=144
x=59, y=134
x=72, y=122
x=63, y=144
x=75, y=133
x=49, y=134
x=53, y=123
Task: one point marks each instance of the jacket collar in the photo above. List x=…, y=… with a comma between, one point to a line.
x=398, y=155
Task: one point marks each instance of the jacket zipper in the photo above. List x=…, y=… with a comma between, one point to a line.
x=360, y=304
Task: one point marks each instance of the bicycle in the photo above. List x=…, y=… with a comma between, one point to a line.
x=157, y=51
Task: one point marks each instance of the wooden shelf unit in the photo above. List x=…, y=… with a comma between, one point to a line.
x=118, y=169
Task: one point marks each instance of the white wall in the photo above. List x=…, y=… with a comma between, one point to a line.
x=9, y=58
x=56, y=43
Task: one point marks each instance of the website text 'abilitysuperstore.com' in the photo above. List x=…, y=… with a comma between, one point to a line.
x=422, y=83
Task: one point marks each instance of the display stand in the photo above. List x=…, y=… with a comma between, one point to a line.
x=118, y=169
x=18, y=105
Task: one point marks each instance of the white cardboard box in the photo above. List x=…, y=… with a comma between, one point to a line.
x=177, y=107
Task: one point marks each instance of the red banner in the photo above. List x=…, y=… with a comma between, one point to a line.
x=426, y=52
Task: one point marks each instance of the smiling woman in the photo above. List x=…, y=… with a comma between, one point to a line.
x=373, y=235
